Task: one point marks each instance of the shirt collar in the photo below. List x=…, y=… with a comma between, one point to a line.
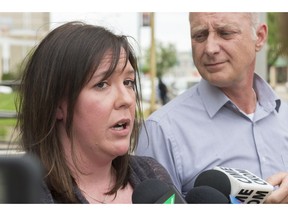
x=265, y=94
x=214, y=99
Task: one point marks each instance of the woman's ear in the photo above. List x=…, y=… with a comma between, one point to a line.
x=60, y=112
x=262, y=33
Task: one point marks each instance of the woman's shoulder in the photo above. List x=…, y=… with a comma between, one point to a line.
x=144, y=160
x=45, y=194
x=147, y=167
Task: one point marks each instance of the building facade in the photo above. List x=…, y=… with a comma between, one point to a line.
x=19, y=32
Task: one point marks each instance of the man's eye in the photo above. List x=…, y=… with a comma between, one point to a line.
x=101, y=85
x=200, y=37
x=226, y=34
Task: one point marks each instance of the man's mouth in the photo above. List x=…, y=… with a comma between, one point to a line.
x=214, y=64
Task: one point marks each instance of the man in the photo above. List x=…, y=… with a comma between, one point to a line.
x=232, y=118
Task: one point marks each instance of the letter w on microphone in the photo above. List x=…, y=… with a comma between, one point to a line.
x=247, y=187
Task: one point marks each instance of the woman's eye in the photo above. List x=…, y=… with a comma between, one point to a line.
x=101, y=85
x=129, y=83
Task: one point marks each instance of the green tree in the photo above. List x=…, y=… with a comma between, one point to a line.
x=166, y=58
x=277, y=37
x=273, y=39
x=283, y=26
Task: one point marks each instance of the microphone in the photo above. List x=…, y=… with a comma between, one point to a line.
x=154, y=191
x=214, y=179
x=205, y=195
x=236, y=184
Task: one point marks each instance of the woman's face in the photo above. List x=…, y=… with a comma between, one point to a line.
x=104, y=113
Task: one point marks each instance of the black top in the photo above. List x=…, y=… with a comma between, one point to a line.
x=141, y=169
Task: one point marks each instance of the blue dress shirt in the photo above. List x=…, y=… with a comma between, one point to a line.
x=202, y=128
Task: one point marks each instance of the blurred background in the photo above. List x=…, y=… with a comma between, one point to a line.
x=162, y=44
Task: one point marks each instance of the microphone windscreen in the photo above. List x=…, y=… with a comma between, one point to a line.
x=215, y=179
x=205, y=195
x=149, y=191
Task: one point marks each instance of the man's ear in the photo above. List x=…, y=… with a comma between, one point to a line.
x=262, y=33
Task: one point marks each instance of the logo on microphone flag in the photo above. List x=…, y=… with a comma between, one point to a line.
x=234, y=200
x=170, y=200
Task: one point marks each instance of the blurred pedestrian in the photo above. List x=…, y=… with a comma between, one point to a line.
x=163, y=91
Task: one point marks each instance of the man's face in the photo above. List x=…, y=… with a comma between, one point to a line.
x=223, y=47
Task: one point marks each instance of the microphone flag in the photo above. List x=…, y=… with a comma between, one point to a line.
x=247, y=187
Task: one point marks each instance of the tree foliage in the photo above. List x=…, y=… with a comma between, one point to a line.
x=166, y=58
x=283, y=26
x=277, y=37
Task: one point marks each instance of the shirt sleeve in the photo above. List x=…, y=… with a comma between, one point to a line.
x=156, y=141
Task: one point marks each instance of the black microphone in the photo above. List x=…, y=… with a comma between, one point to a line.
x=214, y=179
x=21, y=179
x=154, y=191
x=205, y=195
x=217, y=180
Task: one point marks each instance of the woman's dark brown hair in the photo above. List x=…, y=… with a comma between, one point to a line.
x=58, y=68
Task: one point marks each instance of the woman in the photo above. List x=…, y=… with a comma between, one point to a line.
x=80, y=113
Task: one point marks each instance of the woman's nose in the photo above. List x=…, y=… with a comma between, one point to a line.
x=125, y=97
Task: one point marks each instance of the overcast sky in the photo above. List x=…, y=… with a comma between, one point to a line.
x=144, y=5
x=169, y=27
x=171, y=21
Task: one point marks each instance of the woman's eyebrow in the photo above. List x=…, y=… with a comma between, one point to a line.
x=132, y=72
x=99, y=74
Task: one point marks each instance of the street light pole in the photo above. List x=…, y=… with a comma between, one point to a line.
x=152, y=64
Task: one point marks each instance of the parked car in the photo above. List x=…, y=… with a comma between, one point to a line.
x=146, y=89
x=5, y=89
x=181, y=84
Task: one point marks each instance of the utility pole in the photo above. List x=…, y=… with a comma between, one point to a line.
x=152, y=63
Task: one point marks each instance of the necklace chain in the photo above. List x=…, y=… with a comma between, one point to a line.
x=102, y=202
x=106, y=195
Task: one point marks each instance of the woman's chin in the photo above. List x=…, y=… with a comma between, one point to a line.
x=121, y=149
